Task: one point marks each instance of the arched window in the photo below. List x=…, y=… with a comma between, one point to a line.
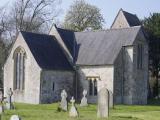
x=19, y=68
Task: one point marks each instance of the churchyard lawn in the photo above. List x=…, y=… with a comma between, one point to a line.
x=49, y=112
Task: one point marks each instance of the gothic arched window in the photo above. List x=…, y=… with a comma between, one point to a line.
x=19, y=68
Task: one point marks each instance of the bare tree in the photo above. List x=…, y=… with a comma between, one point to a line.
x=24, y=15
x=2, y=44
x=3, y=24
x=30, y=15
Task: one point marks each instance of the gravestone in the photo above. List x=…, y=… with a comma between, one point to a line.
x=1, y=101
x=84, y=99
x=15, y=117
x=103, y=103
x=73, y=112
x=111, y=99
x=1, y=96
x=9, y=104
x=1, y=109
x=63, y=104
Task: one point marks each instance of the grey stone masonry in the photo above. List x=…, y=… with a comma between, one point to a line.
x=53, y=82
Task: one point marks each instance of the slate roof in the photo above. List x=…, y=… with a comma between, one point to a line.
x=46, y=51
x=132, y=19
x=102, y=47
x=68, y=38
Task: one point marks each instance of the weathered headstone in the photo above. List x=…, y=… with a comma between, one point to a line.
x=63, y=104
x=111, y=99
x=73, y=112
x=1, y=96
x=84, y=99
x=1, y=101
x=8, y=106
x=1, y=109
x=103, y=103
x=156, y=97
x=15, y=117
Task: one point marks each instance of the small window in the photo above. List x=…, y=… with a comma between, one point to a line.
x=92, y=87
x=95, y=87
x=139, y=56
x=53, y=85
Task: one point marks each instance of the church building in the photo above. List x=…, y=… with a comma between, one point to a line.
x=40, y=66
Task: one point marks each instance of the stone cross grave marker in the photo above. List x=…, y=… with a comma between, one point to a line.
x=73, y=112
x=63, y=104
x=103, y=103
x=15, y=117
x=84, y=99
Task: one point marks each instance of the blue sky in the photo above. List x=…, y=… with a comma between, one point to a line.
x=109, y=8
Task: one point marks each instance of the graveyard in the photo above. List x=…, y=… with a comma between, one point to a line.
x=49, y=112
x=66, y=109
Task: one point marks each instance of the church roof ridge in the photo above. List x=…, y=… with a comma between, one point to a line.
x=66, y=29
x=35, y=33
x=108, y=30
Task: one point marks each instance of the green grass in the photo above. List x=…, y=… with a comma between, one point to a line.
x=49, y=112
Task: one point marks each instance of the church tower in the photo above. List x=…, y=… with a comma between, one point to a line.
x=125, y=20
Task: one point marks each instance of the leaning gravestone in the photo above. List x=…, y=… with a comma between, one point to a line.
x=15, y=117
x=84, y=99
x=73, y=112
x=103, y=103
x=63, y=104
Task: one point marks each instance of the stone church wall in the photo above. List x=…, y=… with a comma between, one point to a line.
x=120, y=22
x=130, y=83
x=106, y=79
x=53, y=82
x=30, y=94
x=140, y=91
x=118, y=78
x=123, y=77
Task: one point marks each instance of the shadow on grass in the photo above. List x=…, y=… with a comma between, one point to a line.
x=125, y=118
x=154, y=102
